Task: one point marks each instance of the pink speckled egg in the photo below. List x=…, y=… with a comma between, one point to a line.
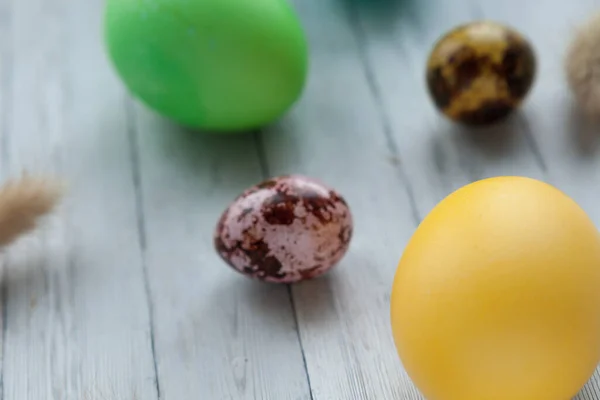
x=286, y=229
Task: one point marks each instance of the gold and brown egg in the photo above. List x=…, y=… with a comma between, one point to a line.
x=478, y=73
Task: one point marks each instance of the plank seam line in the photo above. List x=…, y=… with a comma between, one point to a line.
x=141, y=228
x=264, y=169
x=302, y=353
x=532, y=143
x=386, y=125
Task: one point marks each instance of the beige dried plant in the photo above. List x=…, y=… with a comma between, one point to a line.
x=23, y=201
x=582, y=66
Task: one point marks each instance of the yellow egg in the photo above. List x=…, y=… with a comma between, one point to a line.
x=497, y=295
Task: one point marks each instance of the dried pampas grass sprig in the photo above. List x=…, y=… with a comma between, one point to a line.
x=23, y=202
x=582, y=66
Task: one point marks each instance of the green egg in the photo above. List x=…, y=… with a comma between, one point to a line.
x=221, y=65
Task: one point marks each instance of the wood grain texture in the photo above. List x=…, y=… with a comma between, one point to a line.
x=122, y=296
x=75, y=308
x=336, y=133
x=406, y=159
x=217, y=334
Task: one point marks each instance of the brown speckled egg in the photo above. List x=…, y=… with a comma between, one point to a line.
x=286, y=229
x=478, y=73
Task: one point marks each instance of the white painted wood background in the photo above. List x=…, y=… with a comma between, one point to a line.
x=121, y=295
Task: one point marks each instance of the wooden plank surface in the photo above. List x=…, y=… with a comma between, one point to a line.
x=214, y=334
x=121, y=296
x=69, y=333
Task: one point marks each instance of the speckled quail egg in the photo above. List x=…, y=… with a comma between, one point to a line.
x=286, y=229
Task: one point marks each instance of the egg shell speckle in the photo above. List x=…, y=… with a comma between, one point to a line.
x=480, y=72
x=284, y=230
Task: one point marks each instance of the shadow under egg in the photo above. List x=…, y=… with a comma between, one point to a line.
x=297, y=305
x=495, y=140
x=455, y=148
x=383, y=16
x=583, y=131
x=229, y=161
